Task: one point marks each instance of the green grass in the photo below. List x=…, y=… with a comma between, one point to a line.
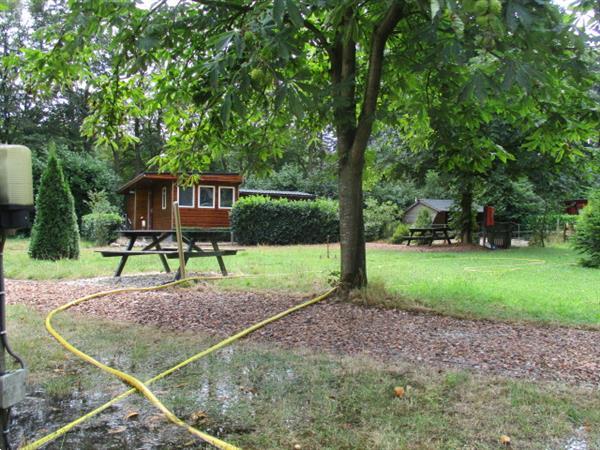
x=267, y=398
x=530, y=284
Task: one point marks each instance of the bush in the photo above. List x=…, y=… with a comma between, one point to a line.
x=587, y=232
x=55, y=234
x=379, y=219
x=401, y=230
x=423, y=219
x=101, y=226
x=83, y=171
x=260, y=220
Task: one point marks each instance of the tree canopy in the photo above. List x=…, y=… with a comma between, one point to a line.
x=232, y=74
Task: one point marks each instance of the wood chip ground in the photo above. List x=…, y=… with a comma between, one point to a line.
x=516, y=350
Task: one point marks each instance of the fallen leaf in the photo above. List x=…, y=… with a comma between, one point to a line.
x=399, y=391
x=117, y=430
x=199, y=416
x=132, y=415
x=504, y=440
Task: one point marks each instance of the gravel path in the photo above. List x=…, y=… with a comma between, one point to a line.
x=523, y=351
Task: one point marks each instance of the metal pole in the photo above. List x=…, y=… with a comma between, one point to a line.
x=4, y=413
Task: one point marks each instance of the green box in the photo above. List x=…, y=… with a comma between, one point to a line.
x=16, y=181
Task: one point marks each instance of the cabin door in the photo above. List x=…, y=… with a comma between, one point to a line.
x=142, y=210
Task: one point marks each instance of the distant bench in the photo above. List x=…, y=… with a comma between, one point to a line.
x=428, y=235
x=190, y=238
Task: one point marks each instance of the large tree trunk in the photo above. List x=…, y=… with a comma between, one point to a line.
x=352, y=236
x=353, y=135
x=466, y=211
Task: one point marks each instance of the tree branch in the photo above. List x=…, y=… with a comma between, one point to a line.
x=381, y=33
x=321, y=38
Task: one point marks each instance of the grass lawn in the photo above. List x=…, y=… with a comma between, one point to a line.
x=264, y=398
x=533, y=284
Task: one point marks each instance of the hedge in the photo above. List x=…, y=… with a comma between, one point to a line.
x=260, y=220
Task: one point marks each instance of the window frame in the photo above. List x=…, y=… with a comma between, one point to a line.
x=232, y=197
x=193, y=205
x=163, y=197
x=213, y=196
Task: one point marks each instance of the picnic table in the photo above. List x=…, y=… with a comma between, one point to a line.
x=428, y=234
x=190, y=237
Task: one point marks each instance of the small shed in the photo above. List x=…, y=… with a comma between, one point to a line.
x=207, y=204
x=574, y=206
x=439, y=210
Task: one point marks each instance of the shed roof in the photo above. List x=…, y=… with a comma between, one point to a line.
x=274, y=193
x=439, y=204
x=146, y=178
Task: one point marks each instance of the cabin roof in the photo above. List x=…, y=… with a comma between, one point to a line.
x=274, y=193
x=146, y=179
x=438, y=204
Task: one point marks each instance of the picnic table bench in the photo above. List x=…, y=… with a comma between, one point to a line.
x=428, y=235
x=190, y=237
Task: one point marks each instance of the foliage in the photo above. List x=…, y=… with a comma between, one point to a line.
x=439, y=71
x=402, y=230
x=101, y=226
x=424, y=219
x=379, y=219
x=513, y=200
x=55, y=234
x=83, y=171
x=291, y=177
x=260, y=220
x=587, y=234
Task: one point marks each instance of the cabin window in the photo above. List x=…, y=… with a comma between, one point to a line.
x=207, y=197
x=163, y=202
x=186, y=197
x=226, y=195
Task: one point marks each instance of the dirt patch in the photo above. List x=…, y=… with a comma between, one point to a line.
x=516, y=350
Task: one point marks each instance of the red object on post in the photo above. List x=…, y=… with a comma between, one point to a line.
x=488, y=214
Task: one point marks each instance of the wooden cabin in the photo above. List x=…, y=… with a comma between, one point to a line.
x=149, y=198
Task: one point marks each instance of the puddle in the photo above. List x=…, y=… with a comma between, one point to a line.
x=38, y=415
x=224, y=393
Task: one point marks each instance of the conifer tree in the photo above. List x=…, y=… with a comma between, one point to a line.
x=587, y=235
x=55, y=233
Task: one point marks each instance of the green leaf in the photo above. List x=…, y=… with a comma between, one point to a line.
x=226, y=109
x=294, y=13
x=278, y=11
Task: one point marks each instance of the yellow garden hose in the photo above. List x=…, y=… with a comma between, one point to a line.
x=141, y=386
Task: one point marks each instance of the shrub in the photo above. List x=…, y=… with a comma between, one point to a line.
x=55, y=234
x=83, y=171
x=260, y=220
x=423, y=219
x=101, y=226
x=379, y=219
x=587, y=232
x=401, y=230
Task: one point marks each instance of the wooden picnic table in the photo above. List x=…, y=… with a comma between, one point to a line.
x=428, y=234
x=190, y=236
